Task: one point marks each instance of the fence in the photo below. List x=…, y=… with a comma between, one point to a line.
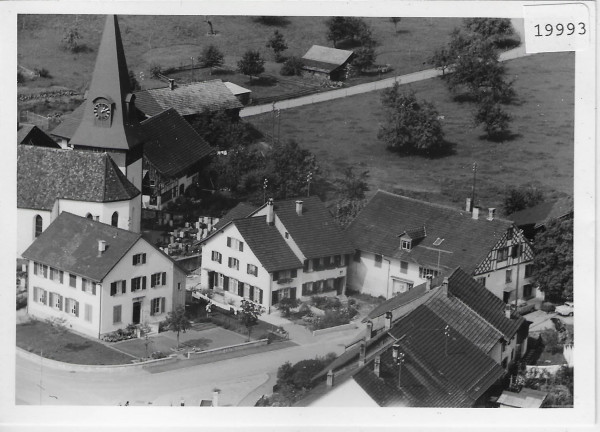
x=227, y=349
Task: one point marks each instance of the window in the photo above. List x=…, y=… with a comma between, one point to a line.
x=406, y=244
x=88, y=286
x=527, y=290
x=258, y=295
x=72, y=280
x=307, y=288
x=378, y=260
x=56, y=275
x=216, y=256
x=337, y=260
x=233, y=285
x=138, y=283
x=509, y=233
x=220, y=280
x=529, y=270
x=56, y=301
x=356, y=256
x=233, y=263
x=114, y=220
x=235, y=244
x=39, y=295
x=158, y=279
x=481, y=281
x=502, y=254
x=252, y=269
x=403, y=267
x=39, y=225
x=178, y=286
x=516, y=251
x=116, y=314
x=118, y=287
x=157, y=305
x=424, y=272
x=139, y=259
x=88, y=313
x=89, y=216
x=509, y=276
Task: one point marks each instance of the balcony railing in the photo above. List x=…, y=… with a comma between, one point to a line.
x=283, y=281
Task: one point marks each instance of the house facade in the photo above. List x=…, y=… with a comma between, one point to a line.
x=99, y=278
x=290, y=249
x=401, y=241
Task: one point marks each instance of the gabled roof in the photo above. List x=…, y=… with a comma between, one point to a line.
x=330, y=58
x=69, y=123
x=466, y=241
x=32, y=135
x=236, y=89
x=267, y=244
x=398, y=301
x=240, y=211
x=526, y=398
x=315, y=232
x=543, y=213
x=171, y=144
x=188, y=99
x=70, y=244
x=45, y=174
x=414, y=233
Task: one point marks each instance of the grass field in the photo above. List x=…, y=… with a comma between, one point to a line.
x=343, y=132
x=171, y=41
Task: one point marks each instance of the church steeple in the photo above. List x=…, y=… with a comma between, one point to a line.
x=109, y=121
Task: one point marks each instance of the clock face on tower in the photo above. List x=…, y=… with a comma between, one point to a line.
x=102, y=111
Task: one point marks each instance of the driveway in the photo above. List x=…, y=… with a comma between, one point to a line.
x=541, y=321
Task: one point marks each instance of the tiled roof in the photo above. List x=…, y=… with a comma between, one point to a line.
x=188, y=99
x=240, y=211
x=315, y=232
x=172, y=145
x=415, y=233
x=331, y=56
x=70, y=244
x=466, y=241
x=542, y=213
x=32, y=135
x=526, y=398
x=398, y=301
x=483, y=302
x=69, y=123
x=267, y=244
x=45, y=174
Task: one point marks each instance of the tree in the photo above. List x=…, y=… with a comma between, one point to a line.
x=176, y=321
x=211, y=57
x=70, y=38
x=286, y=304
x=395, y=21
x=287, y=168
x=278, y=45
x=494, y=119
x=516, y=199
x=493, y=29
x=251, y=64
x=441, y=59
x=553, y=260
x=410, y=126
x=292, y=66
x=353, y=185
x=364, y=58
x=135, y=84
x=349, y=28
x=249, y=314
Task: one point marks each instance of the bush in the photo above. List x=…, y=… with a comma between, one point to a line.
x=43, y=72
x=326, y=303
x=155, y=70
x=286, y=304
x=158, y=355
x=332, y=318
x=20, y=78
x=524, y=310
x=551, y=341
x=547, y=307
x=21, y=302
x=292, y=66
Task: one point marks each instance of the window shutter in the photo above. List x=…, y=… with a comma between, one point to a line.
x=229, y=262
x=35, y=268
x=241, y=246
x=61, y=275
x=152, y=306
x=153, y=280
x=260, y=295
x=93, y=288
x=294, y=273
x=76, y=308
x=241, y=289
x=163, y=300
x=251, y=292
x=228, y=241
x=275, y=276
x=124, y=286
x=113, y=288
x=293, y=293
x=143, y=258
x=143, y=282
x=226, y=283
x=133, y=262
x=164, y=278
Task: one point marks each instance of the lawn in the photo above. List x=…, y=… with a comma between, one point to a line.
x=171, y=41
x=343, y=133
x=39, y=337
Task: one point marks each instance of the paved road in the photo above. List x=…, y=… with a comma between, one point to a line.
x=361, y=88
x=242, y=380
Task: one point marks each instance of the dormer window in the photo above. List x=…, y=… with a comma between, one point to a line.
x=406, y=245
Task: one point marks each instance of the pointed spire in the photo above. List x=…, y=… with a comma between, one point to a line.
x=110, y=87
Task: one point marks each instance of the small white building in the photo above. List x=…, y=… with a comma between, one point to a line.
x=100, y=278
x=291, y=249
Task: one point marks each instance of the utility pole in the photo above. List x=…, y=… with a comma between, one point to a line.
x=519, y=253
x=192, y=70
x=265, y=184
x=308, y=180
x=273, y=121
x=473, y=188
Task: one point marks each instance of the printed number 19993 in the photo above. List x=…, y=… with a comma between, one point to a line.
x=560, y=30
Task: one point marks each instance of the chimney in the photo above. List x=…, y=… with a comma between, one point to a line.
x=377, y=369
x=362, y=355
x=101, y=247
x=388, y=320
x=445, y=286
x=369, y=330
x=491, y=213
x=475, y=213
x=299, y=208
x=270, y=212
x=171, y=84
x=215, y=398
x=330, y=378
x=428, y=282
x=468, y=205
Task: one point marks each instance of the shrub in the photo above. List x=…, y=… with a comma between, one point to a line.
x=43, y=72
x=155, y=70
x=286, y=304
x=158, y=355
x=551, y=341
x=21, y=302
x=332, y=318
x=547, y=307
x=20, y=78
x=292, y=66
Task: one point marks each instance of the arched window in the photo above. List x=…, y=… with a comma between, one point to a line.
x=89, y=216
x=114, y=221
x=38, y=225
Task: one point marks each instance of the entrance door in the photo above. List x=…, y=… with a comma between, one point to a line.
x=275, y=297
x=137, y=308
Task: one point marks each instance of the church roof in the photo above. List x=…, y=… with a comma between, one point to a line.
x=29, y=134
x=45, y=174
x=110, y=81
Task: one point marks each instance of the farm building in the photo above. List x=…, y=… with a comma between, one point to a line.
x=327, y=62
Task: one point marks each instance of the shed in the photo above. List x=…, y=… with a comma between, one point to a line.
x=241, y=93
x=325, y=61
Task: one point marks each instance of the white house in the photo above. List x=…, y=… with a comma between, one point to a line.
x=100, y=278
x=400, y=241
x=89, y=184
x=291, y=249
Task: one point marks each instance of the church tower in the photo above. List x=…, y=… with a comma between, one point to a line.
x=109, y=122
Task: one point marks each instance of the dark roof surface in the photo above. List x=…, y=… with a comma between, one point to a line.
x=171, y=143
x=542, y=213
x=70, y=244
x=45, y=174
x=240, y=211
x=32, y=135
x=188, y=99
x=69, y=123
x=315, y=232
x=267, y=244
x=398, y=301
x=466, y=241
